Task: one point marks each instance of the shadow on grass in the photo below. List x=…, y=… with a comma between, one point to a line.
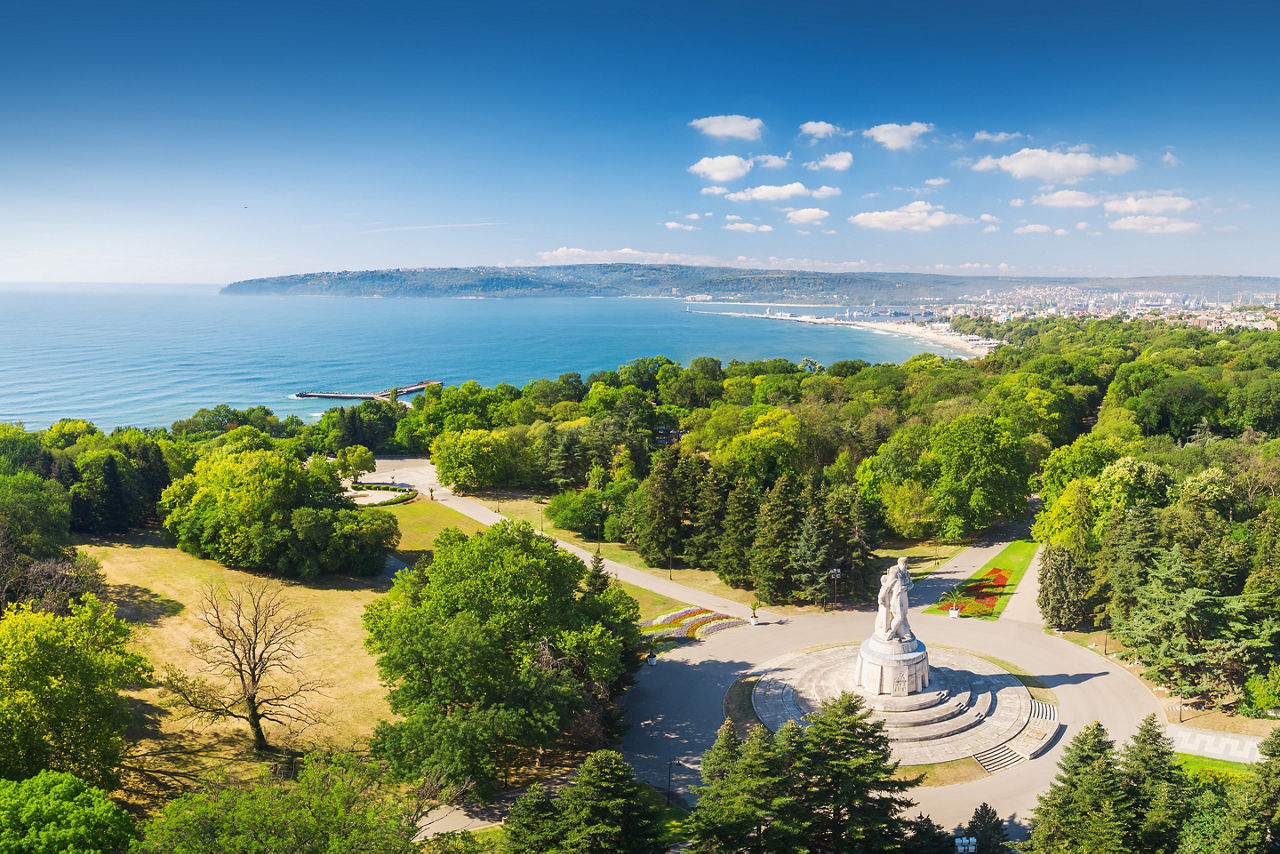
x=135, y=604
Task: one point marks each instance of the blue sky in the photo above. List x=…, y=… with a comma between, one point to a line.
x=212, y=141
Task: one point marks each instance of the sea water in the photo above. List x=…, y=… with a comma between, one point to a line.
x=146, y=356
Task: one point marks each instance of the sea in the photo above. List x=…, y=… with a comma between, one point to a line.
x=149, y=355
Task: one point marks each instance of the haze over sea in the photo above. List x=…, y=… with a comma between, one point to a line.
x=147, y=357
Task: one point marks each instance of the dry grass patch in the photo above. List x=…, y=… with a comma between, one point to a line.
x=943, y=773
x=922, y=557
x=739, y=708
x=421, y=521
x=157, y=589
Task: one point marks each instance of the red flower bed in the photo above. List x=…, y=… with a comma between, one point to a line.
x=986, y=590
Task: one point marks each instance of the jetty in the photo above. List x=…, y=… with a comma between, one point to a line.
x=400, y=391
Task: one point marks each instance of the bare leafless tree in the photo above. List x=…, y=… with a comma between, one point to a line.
x=254, y=653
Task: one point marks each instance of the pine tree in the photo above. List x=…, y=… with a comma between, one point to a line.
x=809, y=562
x=658, y=529
x=718, y=761
x=1155, y=785
x=604, y=810
x=732, y=557
x=596, y=580
x=1085, y=810
x=926, y=836
x=708, y=520
x=846, y=780
x=532, y=826
x=988, y=829
x=1064, y=589
x=1130, y=548
x=771, y=551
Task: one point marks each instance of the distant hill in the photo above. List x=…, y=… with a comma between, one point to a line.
x=728, y=283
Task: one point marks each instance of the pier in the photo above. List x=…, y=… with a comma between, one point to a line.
x=373, y=395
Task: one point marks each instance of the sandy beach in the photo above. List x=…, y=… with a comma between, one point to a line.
x=947, y=338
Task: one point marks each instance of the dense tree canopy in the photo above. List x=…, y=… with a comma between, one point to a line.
x=55, y=812
x=494, y=648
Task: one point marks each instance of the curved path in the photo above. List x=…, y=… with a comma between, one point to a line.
x=676, y=706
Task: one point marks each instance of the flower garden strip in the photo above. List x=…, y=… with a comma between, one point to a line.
x=987, y=591
x=688, y=624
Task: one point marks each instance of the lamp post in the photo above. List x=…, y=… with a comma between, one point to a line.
x=670, y=765
x=835, y=582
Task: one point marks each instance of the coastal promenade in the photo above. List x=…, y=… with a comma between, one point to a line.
x=675, y=708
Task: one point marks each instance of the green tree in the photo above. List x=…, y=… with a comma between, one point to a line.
x=55, y=812
x=810, y=558
x=35, y=517
x=733, y=555
x=988, y=829
x=604, y=810
x=110, y=496
x=771, y=552
x=475, y=459
x=707, y=520
x=719, y=760
x=60, y=683
x=493, y=648
x=1155, y=786
x=1085, y=809
x=659, y=527
x=533, y=825
x=1063, y=596
x=337, y=803
x=265, y=510
x=982, y=474
x=847, y=780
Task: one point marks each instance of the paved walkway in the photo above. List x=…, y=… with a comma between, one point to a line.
x=1215, y=745
x=675, y=708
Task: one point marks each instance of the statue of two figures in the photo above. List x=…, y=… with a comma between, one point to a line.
x=891, y=618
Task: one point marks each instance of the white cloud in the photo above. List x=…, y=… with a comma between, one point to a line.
x=897, y=137
x=673, y=226
x=916, y=216
x=1154, y=225
x=1017, y=203
x=1066, y=167
x=819, y=130
x=729, y=127
x=746, y=226
x=828, y=231
x=870, y=195
x=839, y=161
x=694, y=216
x=727, y=167
x=937, y=182
x=1148, y=204
x=714, y=191
x=1081, y=225
x=774, y=192
x=825, y=192
x=1066, y=199
x=998, y=136
x=989, y=218
x=733, y=217
x=1033, y=228
x=991, y=229
x=1170, y=159
x=626, y=255
x=1060, y=231
x=772, y=161
x=807, y=216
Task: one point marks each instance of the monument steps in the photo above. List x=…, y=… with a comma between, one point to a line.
x=997, y=757
x=1043, y=711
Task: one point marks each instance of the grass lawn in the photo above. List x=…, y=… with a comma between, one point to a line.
x=421, y=521
x=738, y=707
x=1013, y=560
x=156, y=588
x=1232, y=772
x=653, y=604
x=944, y=773
x=922, y=558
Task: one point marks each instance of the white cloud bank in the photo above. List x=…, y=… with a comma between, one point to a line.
x=772, y=161
x=1066, y=199
x=626, y=255
x=819, y=130
x=937, y=182
x=729, y=127
x=839, y=161
x=807, y=216
x=1148, y=204
x=916, y=216
x=781, y=192
x=679, y=226
x=1065, y=167
x=898, y=137
x=1154, y=225
x=998, y=136
x=714, y=191
x=746, y=226
x=1033, y=228
x=726, y=167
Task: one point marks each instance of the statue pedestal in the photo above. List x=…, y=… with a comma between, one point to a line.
x=896, y=667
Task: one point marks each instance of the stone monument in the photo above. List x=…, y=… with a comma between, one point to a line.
x=892, y=661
